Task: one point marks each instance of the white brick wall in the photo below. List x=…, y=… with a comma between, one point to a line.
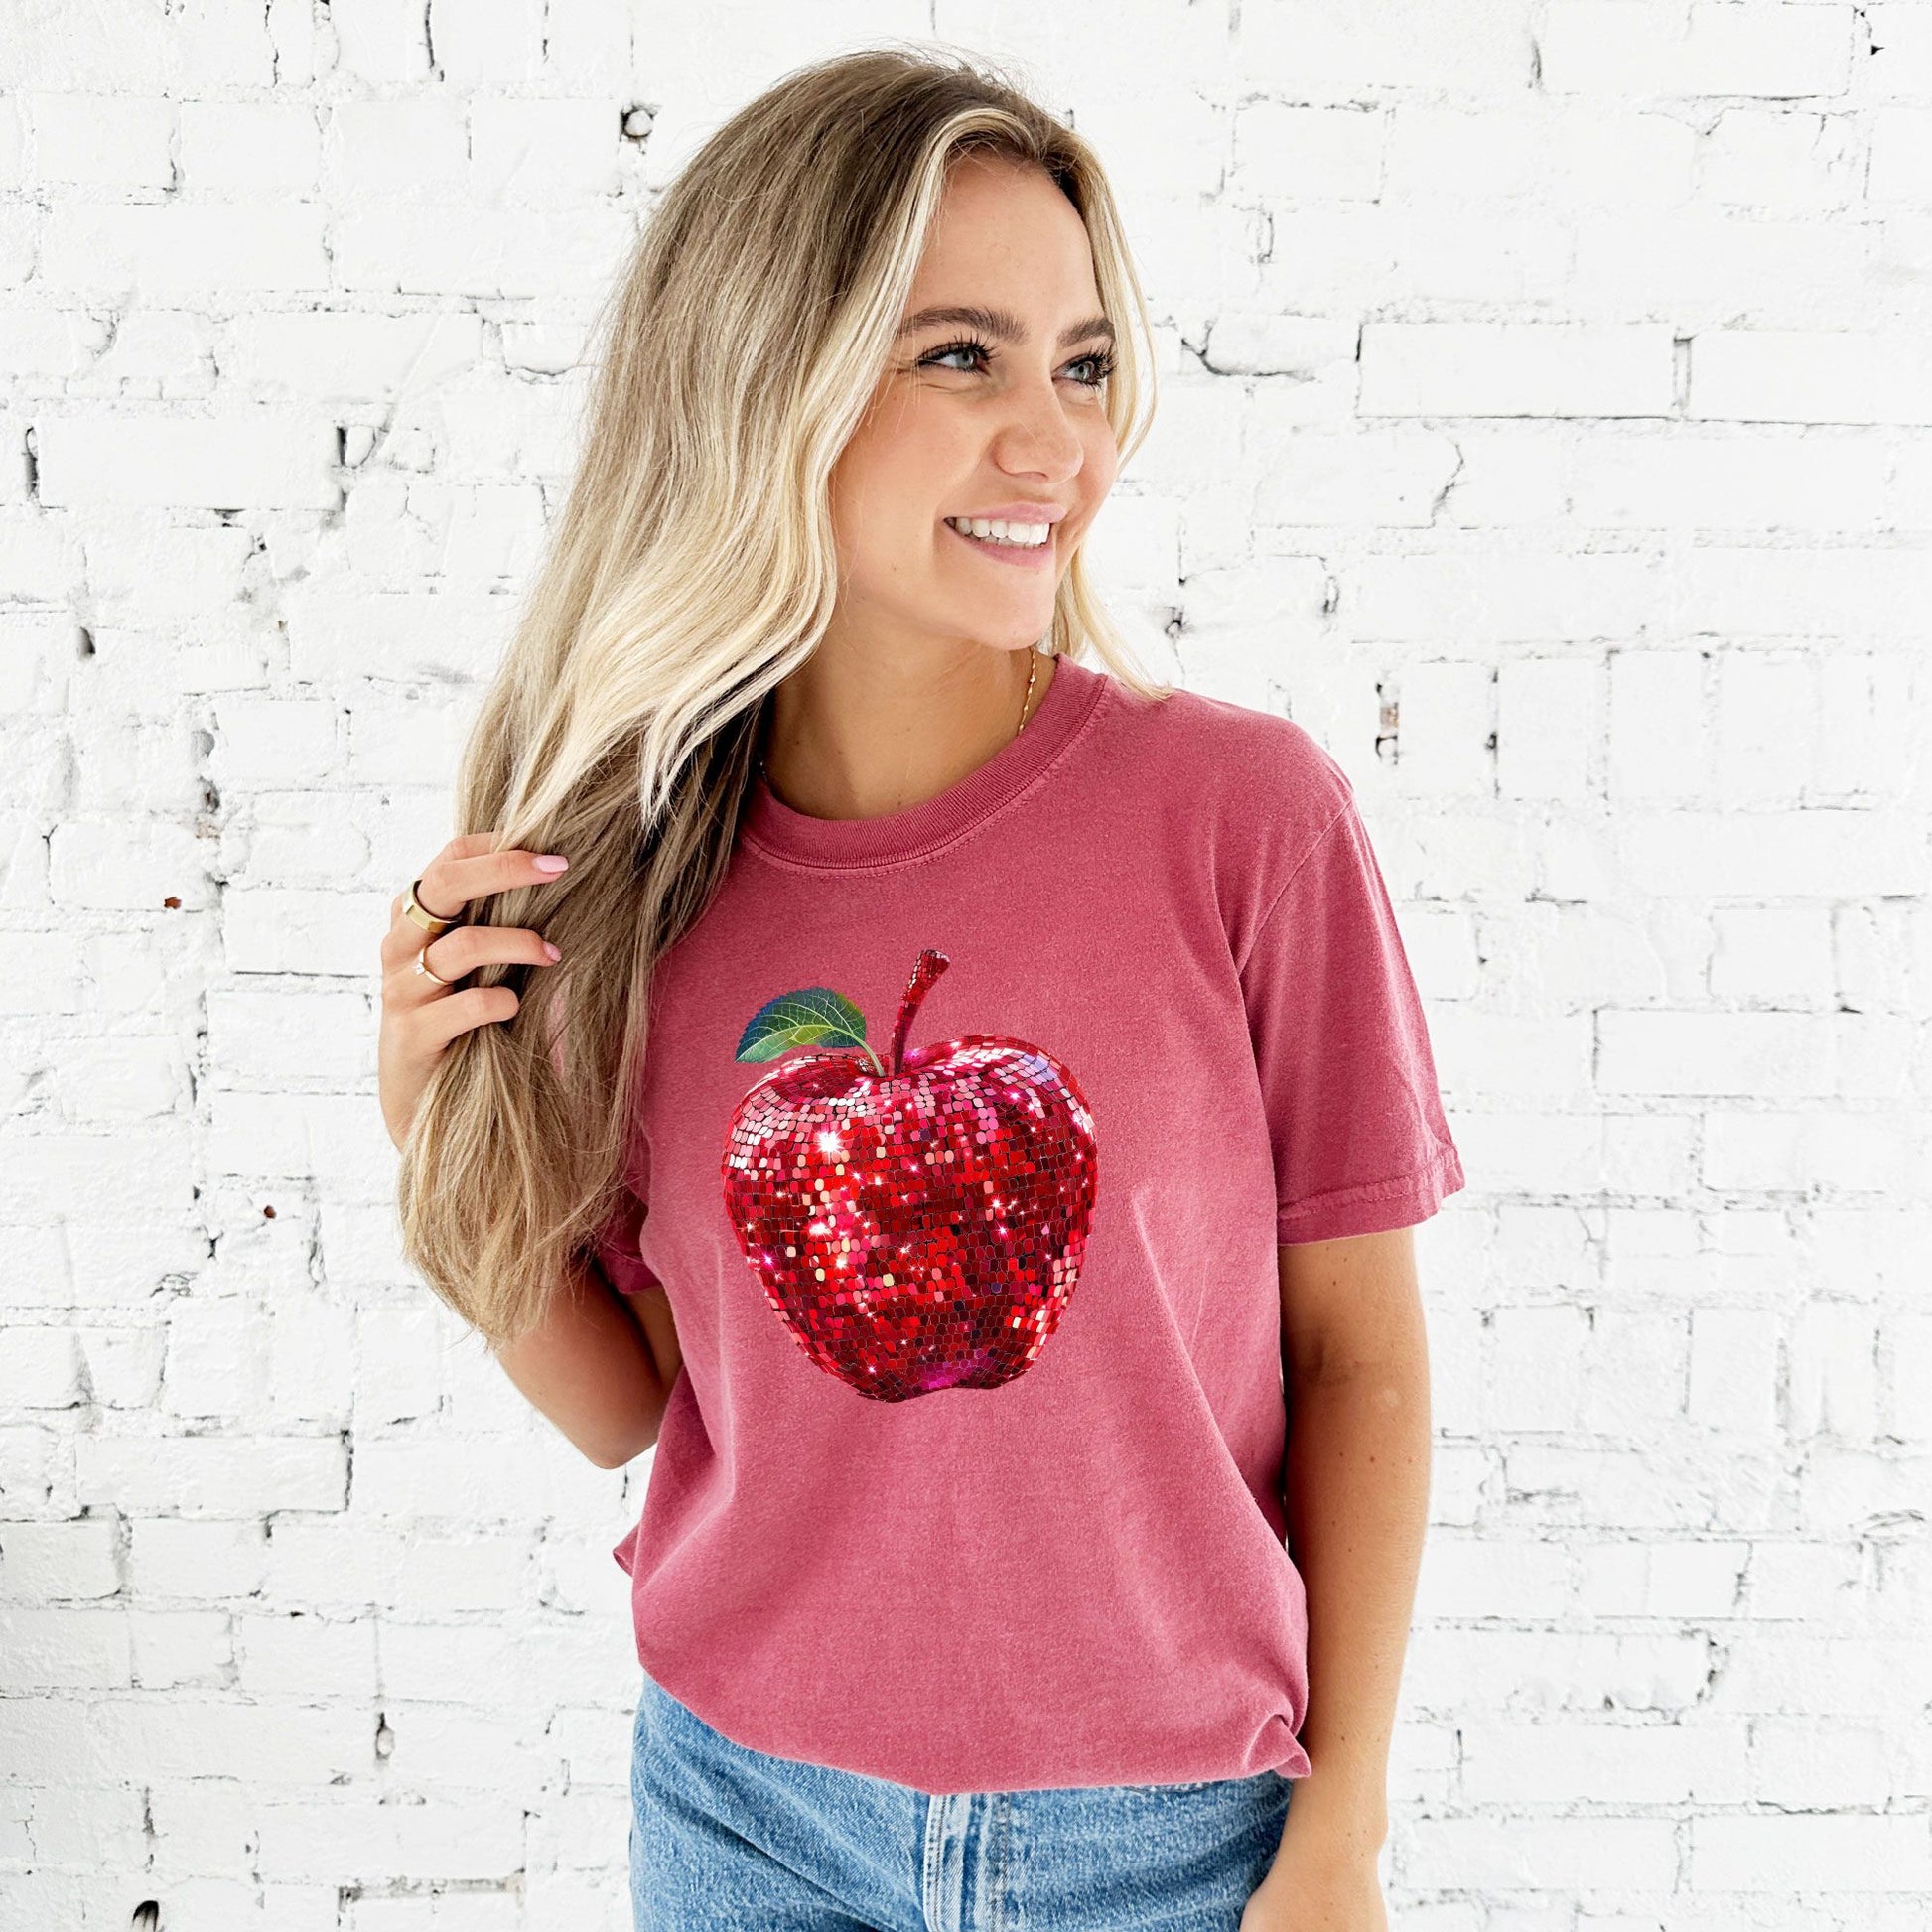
x=1547, y=425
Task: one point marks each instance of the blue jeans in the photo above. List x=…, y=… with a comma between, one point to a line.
x=724, y=1836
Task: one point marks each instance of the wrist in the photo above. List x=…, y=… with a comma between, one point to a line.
x=1350, y=1812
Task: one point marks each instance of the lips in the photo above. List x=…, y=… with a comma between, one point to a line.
x=1013, y=513
x=1025, y=558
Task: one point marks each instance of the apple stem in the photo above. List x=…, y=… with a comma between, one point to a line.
x=926, y=971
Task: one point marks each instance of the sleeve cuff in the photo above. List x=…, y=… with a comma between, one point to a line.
x=1375, y=1208
x=626, y=1273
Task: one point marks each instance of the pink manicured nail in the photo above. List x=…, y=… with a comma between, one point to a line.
x=555, y=955
x=551, y=860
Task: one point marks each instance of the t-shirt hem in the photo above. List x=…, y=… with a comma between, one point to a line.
x=1377, y=1207
x=995, y=1759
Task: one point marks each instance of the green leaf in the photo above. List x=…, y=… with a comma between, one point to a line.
x=816, y=1017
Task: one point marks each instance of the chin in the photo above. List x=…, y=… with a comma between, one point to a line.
x=1021, y=639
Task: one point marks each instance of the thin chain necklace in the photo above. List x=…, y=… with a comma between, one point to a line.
x=1032, y=666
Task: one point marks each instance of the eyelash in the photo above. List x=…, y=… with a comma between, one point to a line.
x=1103, y=360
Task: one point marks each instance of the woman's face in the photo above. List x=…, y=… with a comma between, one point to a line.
x=1015, y=424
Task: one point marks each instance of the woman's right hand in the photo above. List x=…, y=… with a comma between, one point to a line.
x=421, y=1018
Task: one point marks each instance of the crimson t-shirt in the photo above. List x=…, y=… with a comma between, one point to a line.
x=972, y=1474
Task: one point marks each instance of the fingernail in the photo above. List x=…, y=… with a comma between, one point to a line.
x=552, y=950
x=551, y=860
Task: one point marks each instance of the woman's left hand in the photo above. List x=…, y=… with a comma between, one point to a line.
x=1316, y=1887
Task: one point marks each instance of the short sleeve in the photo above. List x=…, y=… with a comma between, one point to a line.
x=1347, y=1078
x=613, y=1248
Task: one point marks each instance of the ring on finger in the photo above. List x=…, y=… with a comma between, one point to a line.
x=429, y=972
x=413, y=909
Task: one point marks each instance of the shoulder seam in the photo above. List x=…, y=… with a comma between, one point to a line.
x=1295, y=871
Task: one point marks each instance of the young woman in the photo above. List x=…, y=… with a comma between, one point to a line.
x=1037, y=1094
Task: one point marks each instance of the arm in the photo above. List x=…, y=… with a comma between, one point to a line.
x=599, y=1366
x=1357, y=1495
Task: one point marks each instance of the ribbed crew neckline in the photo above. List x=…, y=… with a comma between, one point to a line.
x=776, y=828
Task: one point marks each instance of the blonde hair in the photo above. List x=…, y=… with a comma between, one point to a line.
x=691, y=571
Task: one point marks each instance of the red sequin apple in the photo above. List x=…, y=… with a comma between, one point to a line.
x=918, y=1225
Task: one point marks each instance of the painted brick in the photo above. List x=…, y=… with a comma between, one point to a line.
x=1546, y=424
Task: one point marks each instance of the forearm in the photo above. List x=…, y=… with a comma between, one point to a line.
x=1357, y=1495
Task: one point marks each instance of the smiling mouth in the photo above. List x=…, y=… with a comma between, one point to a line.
x=1025, y=554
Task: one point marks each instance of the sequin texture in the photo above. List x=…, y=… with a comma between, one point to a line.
x=918, y=1225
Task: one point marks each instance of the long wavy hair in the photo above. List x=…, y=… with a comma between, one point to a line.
x=692, y=569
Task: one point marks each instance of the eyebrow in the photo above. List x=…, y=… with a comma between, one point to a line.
x=1001, y=324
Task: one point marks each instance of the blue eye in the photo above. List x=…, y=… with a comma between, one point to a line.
x=1102, y=361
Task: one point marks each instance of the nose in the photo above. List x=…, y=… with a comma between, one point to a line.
x=1036, y=436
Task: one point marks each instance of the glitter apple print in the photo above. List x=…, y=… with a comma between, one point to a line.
x=916, y=1225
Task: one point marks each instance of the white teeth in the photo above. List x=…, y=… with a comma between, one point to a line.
x=1025, y=536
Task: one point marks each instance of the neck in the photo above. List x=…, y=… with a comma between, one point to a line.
x=857, y=737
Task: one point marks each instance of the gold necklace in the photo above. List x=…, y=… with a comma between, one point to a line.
x=1032, y=667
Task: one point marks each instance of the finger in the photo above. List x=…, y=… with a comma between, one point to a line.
x=435, y=1025
x=458, y=881
x=466, y=845
x=460, y=878
x=458, y=952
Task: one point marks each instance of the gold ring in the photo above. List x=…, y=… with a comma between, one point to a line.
x=414, y=908
x=428, y=971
